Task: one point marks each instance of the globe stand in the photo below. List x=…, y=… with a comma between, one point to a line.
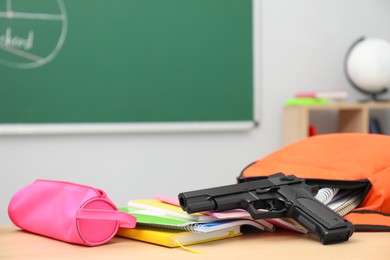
x=373, y=95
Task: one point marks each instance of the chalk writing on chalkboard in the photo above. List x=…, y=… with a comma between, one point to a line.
x=32, y=33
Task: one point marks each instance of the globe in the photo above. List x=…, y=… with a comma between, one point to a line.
x=367, y=66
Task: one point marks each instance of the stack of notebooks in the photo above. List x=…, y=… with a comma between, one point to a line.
x=318, y=97
x=165, y=224
x=161, y=220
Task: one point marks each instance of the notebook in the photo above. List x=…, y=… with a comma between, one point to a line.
x=166, y=208
x=345, y=201
x=155, y=219
x=171, y=238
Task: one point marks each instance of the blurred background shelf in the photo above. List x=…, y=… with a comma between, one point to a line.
x=352, y=117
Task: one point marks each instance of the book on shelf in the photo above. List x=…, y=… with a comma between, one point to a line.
x=375, y=126
x=305, y=101
x=337, y=94
x=317, y=97
x=171, y=238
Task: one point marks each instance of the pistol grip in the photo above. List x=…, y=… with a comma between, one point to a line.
x=322, y=221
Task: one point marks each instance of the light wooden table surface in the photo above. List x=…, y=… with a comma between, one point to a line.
x=17, y=244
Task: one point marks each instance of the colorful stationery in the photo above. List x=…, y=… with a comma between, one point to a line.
x=305, y=101
x=328, y=93
x=154, y=219
x=171, y=238
x=168, y=209
x=269, y=224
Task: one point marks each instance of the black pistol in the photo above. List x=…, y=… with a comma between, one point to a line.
x=276, y=196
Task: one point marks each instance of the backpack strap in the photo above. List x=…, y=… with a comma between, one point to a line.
x=369, y=220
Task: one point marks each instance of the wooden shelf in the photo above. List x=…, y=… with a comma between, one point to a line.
x=352, y=117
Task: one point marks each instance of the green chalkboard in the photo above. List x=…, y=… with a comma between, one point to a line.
x=103, y=61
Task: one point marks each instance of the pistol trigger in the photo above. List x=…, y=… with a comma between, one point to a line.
x=271, y=205
x=263, y=212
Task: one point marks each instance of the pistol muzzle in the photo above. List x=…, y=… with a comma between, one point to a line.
x=197, y=203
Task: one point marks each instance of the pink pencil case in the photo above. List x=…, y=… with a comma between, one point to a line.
x=67, y=211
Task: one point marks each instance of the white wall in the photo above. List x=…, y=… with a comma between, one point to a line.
x=302, y=47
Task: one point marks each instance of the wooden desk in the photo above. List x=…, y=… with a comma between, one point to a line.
x=17, y=244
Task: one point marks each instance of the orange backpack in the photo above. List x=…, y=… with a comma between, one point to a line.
x=348, y=160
